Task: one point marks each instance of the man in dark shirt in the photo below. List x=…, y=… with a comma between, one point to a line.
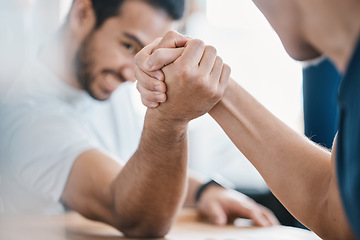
x=321, y=83
x=320, y=188
x=348, y=155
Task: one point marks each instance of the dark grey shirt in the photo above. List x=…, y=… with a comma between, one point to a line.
x=348, y=145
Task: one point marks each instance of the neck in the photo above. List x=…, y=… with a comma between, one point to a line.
x=342, y=48
x=332, y=27
x=58, y=55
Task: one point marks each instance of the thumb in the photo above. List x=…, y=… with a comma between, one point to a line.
x=172, y=39
x=162, y=57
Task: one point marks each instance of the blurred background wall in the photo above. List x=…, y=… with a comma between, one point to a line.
x=24, y=25
x=243, y=39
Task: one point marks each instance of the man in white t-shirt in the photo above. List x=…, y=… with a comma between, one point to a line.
x=63, y=148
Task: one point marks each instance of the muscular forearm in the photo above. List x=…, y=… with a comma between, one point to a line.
x=296, y=170
x=150, y=189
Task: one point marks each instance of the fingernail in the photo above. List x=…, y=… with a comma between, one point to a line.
x=158, y=76
x=160, y=97
x=153, y=105
x=158, y=88
x=149, y=64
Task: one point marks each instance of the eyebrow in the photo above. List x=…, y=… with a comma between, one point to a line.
x=135, y=39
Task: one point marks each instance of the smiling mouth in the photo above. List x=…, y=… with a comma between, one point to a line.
x=112, y=80
x=117, y=75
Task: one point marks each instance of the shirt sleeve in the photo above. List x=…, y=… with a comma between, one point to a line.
x=42, y=145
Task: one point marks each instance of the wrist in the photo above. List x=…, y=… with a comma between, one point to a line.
x=168, y=116
x=226, y=98
x=217, y=181
x=162, y=127
x=157, y=116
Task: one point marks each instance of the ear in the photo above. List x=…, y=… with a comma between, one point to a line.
x=82, y=18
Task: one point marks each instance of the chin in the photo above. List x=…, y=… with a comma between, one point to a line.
x=301, y=52
x=102, y=98
x=99, y=96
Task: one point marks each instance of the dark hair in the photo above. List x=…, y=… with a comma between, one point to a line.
x=105, y=9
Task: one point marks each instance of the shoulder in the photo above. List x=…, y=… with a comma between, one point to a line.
x=34, y=83
x=35, y=133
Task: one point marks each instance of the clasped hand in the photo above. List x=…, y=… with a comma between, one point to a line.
x=188, y=79
x=184, y=72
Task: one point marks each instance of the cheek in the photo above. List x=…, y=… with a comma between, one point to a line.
x=103, y=53
x=109, y=57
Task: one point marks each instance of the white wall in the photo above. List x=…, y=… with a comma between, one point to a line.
x=24, y=25
x=246, y=42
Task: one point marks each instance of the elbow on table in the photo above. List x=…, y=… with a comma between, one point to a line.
x=143, y=229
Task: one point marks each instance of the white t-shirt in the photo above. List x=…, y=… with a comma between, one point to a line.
x=46, y=124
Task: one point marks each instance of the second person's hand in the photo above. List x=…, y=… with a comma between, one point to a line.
x=149, y=62
x=166, y=54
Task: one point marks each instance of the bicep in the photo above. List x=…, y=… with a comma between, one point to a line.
x=88, y=188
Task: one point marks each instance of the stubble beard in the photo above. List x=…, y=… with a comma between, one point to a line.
x=83, y=64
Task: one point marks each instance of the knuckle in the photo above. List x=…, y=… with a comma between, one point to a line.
x=253, y=214
x=139, y=77
x=197, y=42
x=148, y=96
x=156, y=54
x=152, y=104
x=145, y=102
x=213, y=92
x=171, y=34
x=158, y=57
x=203, y=82
x=219, y=60
x=155, y=58
x=151, y=85
x=186, y=71
x=147, y=84
x=210, y=49
x=153, y=98
x=157, y=40
x=216, y=92
x=227, y=69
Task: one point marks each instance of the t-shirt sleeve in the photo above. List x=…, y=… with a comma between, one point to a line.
x=42, y=145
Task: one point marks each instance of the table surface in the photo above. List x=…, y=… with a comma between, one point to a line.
x=72, y=226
